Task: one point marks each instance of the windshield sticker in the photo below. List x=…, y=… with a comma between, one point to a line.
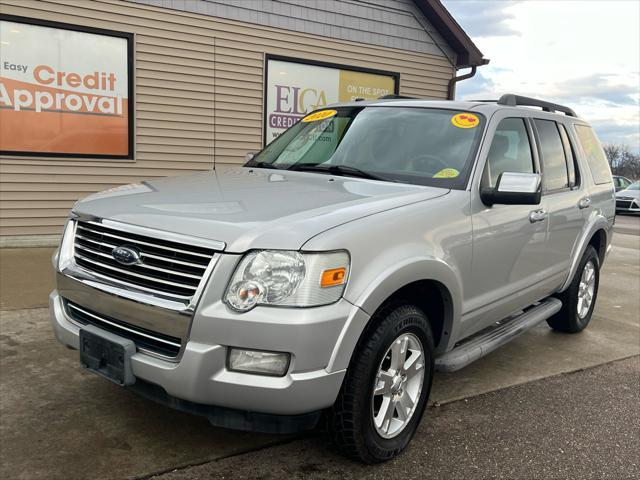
x=465, y=120
x=321, y=115
x=447, y=172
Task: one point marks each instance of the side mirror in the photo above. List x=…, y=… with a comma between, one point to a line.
x=249, y=156
x=514, y=189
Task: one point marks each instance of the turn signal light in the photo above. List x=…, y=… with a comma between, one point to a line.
x=333, y=277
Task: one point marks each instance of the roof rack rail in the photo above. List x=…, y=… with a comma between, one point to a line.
x=397, y=97
x=512, y=100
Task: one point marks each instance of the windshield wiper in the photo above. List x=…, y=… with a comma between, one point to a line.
x=263, y=165
x=339, y=170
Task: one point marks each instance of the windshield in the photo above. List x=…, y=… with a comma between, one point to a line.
x=634, y=186
x=424, y=146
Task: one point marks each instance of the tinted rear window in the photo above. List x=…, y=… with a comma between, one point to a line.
x=554, y=172
x=594, y=153
x=572, y=164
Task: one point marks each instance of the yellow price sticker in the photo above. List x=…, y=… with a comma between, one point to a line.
x=447, y=173
x=320, y=115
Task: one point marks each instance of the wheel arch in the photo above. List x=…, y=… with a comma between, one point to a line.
x=599, y=242
x=597, y=233
x=419, y=280
x=434, y=299
x=438, y=294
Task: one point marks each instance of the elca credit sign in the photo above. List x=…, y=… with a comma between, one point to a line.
x=295, y=89
x=63, y=92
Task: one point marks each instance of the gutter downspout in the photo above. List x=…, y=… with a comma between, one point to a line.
x=451, y=90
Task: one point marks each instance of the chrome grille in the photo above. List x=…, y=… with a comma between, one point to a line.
x=144, y=339
x=166, y=268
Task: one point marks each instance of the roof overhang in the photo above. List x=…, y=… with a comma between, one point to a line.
x=467, y=53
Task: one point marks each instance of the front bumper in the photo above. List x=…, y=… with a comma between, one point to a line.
x=628, y=205
x=313, y=336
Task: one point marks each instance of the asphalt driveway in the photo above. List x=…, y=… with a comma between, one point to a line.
x=581, y=425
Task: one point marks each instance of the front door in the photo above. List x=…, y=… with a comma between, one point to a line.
x=508, y=242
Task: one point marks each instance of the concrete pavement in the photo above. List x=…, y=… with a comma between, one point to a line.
x=627, y=224
x=57, y=421
x=26, y=277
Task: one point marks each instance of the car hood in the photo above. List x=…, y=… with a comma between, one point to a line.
x=251, y=208
x=628, y=193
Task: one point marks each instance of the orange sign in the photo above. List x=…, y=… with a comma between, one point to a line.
x=69, y=96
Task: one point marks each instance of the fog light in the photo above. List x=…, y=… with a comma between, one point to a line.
x=258, y=362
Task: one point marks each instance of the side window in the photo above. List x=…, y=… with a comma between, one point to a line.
x=570, y=154
x=594, y=153
x=554, y=165
x=510, y=150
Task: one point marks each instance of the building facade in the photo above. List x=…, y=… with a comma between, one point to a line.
x=100, y=93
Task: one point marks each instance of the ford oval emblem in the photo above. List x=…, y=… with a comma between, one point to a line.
x=126, y=255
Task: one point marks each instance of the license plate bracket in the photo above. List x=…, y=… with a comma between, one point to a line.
x=107, y=355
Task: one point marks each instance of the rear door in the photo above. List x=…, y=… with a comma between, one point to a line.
x=563, y=195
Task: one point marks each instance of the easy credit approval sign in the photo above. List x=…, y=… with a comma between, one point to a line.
x=64, y=92
x=294, y=88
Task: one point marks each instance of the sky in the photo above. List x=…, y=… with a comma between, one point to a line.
x=581, y=53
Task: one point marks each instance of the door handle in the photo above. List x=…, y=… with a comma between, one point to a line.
x=584, y=202
x=537, y=216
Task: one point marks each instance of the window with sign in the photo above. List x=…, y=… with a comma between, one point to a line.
x=296, y=87
x=65, y=90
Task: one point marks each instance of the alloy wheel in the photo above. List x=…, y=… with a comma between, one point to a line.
x=586, y=289
x=398, y=385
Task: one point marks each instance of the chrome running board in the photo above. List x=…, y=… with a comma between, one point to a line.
x=486, y=342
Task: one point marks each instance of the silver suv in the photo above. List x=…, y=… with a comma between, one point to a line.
x=368, y=246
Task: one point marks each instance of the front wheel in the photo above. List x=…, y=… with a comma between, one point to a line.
x=579, y=299
x=386, y=387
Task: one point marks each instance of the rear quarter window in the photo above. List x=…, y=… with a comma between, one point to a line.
x=596, y=158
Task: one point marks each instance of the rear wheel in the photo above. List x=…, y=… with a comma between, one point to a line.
x=387, y=385
x=579, y=299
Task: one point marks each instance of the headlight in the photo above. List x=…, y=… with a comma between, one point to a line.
x=65, y=253
x=287, y=278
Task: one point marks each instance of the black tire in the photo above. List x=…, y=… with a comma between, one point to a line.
x=567, y=319
x=350, y=420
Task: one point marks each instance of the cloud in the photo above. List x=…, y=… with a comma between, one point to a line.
x=601, y=87
x=479, y=87
x=598, y=89
x=536, y=52
x=616, y=133
x=482, y=18
x=605, y=99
